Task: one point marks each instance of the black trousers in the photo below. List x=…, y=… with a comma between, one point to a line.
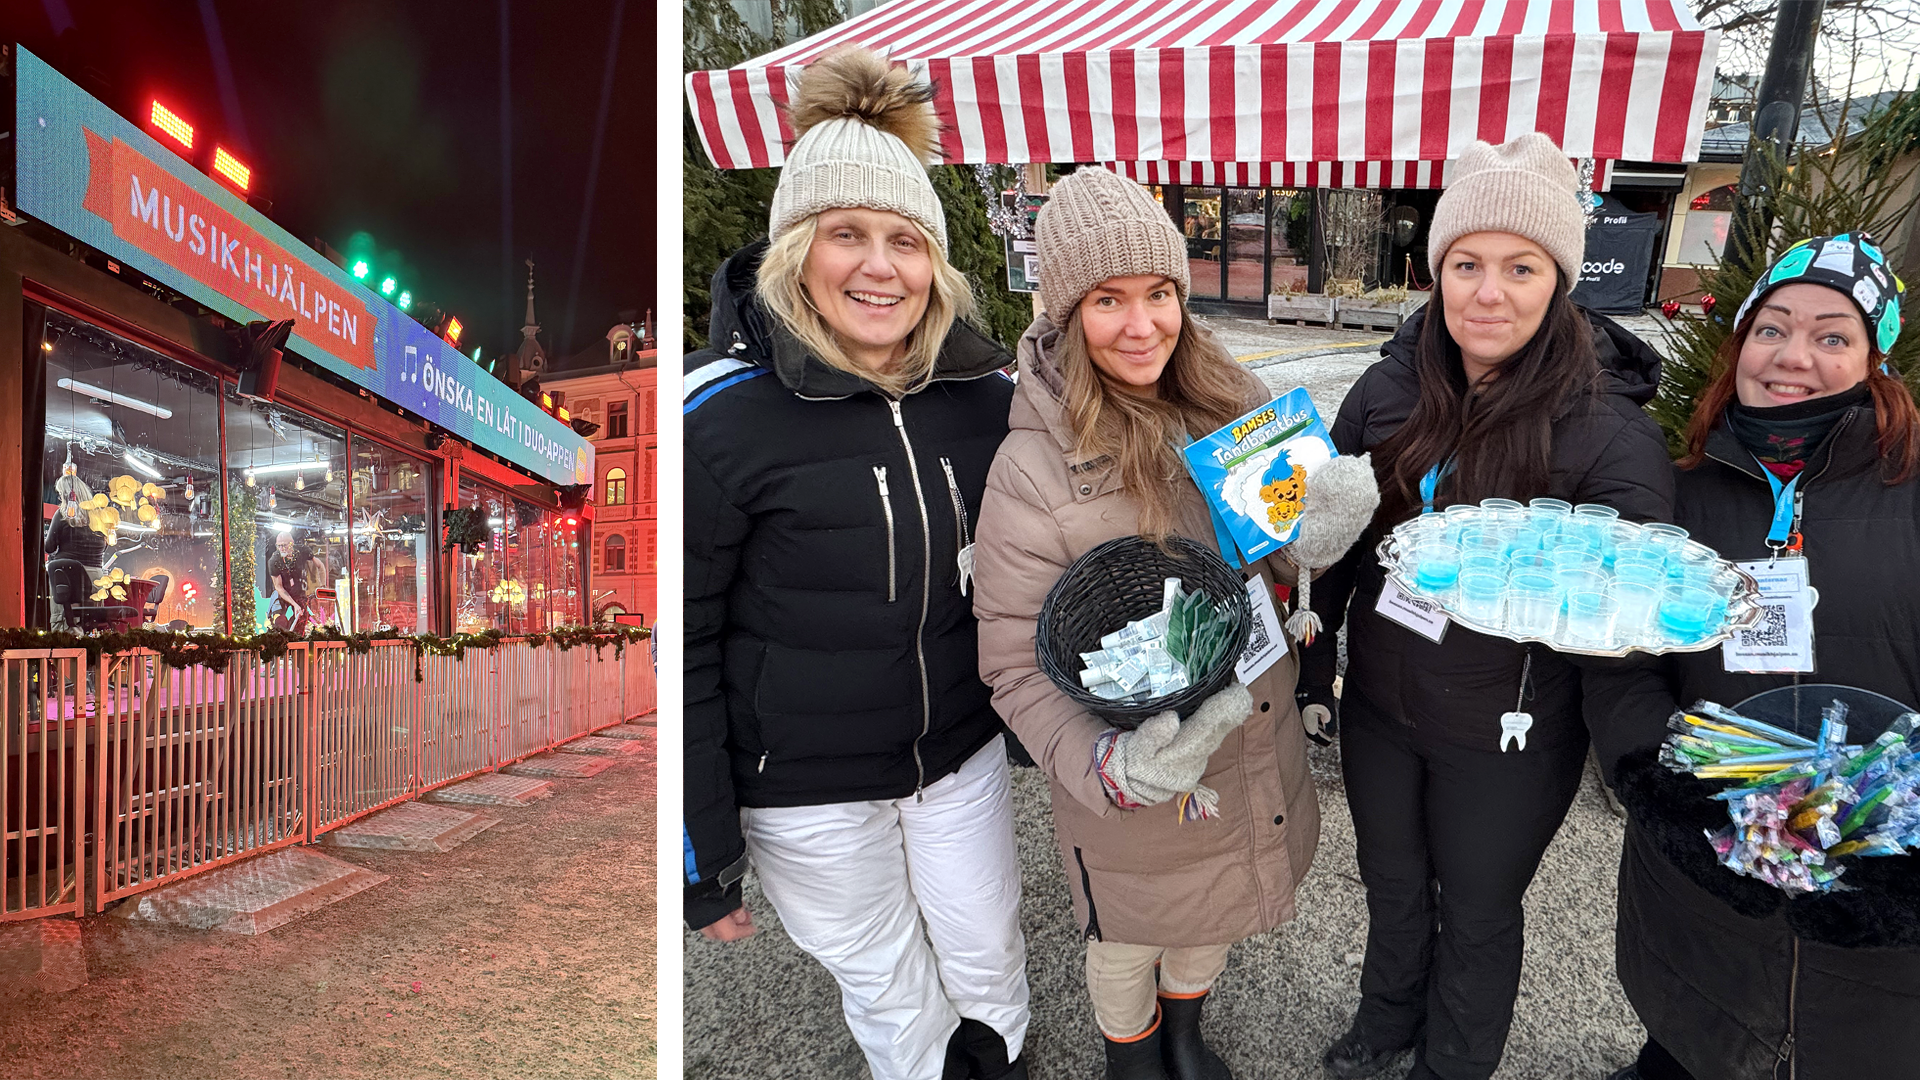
x=1448, y=839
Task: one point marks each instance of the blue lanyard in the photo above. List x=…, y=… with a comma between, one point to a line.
x=1430, y=483
x=1783, y=498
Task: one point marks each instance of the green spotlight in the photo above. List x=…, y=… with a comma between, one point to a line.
x=476, y=354
x=387, y=286
x=406, y=301
x=361, y=270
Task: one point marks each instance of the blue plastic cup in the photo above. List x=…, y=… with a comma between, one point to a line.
x=1436, y=566
x=1667, y=538
x=1686, y=612
x=1483, y=560
x=1538, y=561
x=1573, y=558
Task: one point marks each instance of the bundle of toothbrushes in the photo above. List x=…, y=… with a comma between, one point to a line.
x=1163, y=653
x=1800, y=804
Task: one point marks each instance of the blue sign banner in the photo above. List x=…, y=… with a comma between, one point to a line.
x=87, y=171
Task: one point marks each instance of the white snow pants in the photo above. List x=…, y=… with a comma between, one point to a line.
x=851, y=882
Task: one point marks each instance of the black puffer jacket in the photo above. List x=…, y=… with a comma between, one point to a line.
x=1729, y=974
x=1605, y=450
x=830, y=654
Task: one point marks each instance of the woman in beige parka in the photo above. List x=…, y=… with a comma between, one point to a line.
x=1113, y=378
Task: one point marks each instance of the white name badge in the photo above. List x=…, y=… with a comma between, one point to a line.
x=1266, y=644
x=1781, y=643
x=1423, y=617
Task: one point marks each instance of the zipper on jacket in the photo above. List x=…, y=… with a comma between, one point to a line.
x=886, y=505
x=926, y=598
x=962, y=530
x=1086, y=890
x=1786, y=1053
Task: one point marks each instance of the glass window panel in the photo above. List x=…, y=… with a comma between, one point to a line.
x=1288, y=221
x=393, y=551
x=1703, y=237
x=616, y=553
x=564, y=580
x=524, y=590
x=1203, y=240
x=477, y=574
x=287, y=489
x=140, y=433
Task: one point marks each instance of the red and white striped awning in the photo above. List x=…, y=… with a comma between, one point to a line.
x=1307, y=174
x=1325, y=82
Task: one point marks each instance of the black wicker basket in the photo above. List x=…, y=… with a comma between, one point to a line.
x=1123, y=580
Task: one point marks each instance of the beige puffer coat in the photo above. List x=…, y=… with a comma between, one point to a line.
x=1139, y=877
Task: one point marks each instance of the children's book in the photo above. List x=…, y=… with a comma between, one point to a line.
x=1254, y=474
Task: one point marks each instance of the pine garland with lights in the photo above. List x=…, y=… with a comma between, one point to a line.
x=215, y=651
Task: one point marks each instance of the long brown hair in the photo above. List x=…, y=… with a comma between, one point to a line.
x=1894, y=413
x=1202, y=390
x=1498, y=435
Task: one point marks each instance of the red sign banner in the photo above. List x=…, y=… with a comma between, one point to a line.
x=156, y=212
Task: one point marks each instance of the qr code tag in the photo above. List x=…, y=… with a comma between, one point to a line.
x=1781, y=640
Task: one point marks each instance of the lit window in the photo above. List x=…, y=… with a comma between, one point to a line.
x=616, y=487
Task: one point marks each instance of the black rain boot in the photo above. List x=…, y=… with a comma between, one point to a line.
x=1185, y=1054
x=977, y=1052
x=1353, y=1056
x=1137, y=1058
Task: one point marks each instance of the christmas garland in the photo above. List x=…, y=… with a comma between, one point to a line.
x=466, y=528
x=214, y=651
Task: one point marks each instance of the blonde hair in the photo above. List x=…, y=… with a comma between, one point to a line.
x=950, y=298
x=1201, y=390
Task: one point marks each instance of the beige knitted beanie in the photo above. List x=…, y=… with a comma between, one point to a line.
x=867, y=131
x=1097, y=225
x=1524, y=186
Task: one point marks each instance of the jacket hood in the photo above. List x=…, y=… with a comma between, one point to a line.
x=1633, y=365
x=740, y=326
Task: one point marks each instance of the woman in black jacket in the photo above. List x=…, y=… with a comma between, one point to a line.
x=838, y=436
x=1734, y=980
x=1498, y=391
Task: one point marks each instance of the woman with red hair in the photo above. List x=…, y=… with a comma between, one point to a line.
x=1801, y=457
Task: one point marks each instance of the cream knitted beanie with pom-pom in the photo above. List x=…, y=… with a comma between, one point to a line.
x=867, y=131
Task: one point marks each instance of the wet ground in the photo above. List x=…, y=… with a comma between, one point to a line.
x=527, y=951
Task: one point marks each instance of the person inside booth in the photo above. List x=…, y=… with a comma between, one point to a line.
x=289, y=569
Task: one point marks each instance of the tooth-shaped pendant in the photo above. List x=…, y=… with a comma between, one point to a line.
x=1513, y=728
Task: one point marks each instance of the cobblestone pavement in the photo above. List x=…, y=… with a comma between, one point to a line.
x=527, y=951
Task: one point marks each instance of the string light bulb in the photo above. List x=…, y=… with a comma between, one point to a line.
x=272, y=502
x=249, y=477
x=300, y=482
x=189, y=489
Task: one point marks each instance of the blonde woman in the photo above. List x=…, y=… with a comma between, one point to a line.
x=1114, y=378
x=838, y=737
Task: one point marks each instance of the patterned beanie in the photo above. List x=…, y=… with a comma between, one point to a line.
x=1850, y=262
x=1525, y=186
x=1098, y=225
x=867, y=130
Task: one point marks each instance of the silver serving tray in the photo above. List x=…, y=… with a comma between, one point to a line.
x=1742, y=612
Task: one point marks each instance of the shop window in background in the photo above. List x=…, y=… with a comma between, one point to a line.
x=130, y=486
x=1703, y=236
x=564, y=584
x=287, y=494
x=616, y=420
x=525, y=588
x=616, y=487
x=393, y=551
x=616, y=561
x=478, y=573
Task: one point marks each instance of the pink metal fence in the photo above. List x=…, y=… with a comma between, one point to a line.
x=167, y=772
x=43, y=756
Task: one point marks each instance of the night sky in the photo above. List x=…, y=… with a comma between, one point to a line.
x=386, y=118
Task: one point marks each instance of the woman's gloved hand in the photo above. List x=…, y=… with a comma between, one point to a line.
x=1319, y=713
x=1165, y=758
